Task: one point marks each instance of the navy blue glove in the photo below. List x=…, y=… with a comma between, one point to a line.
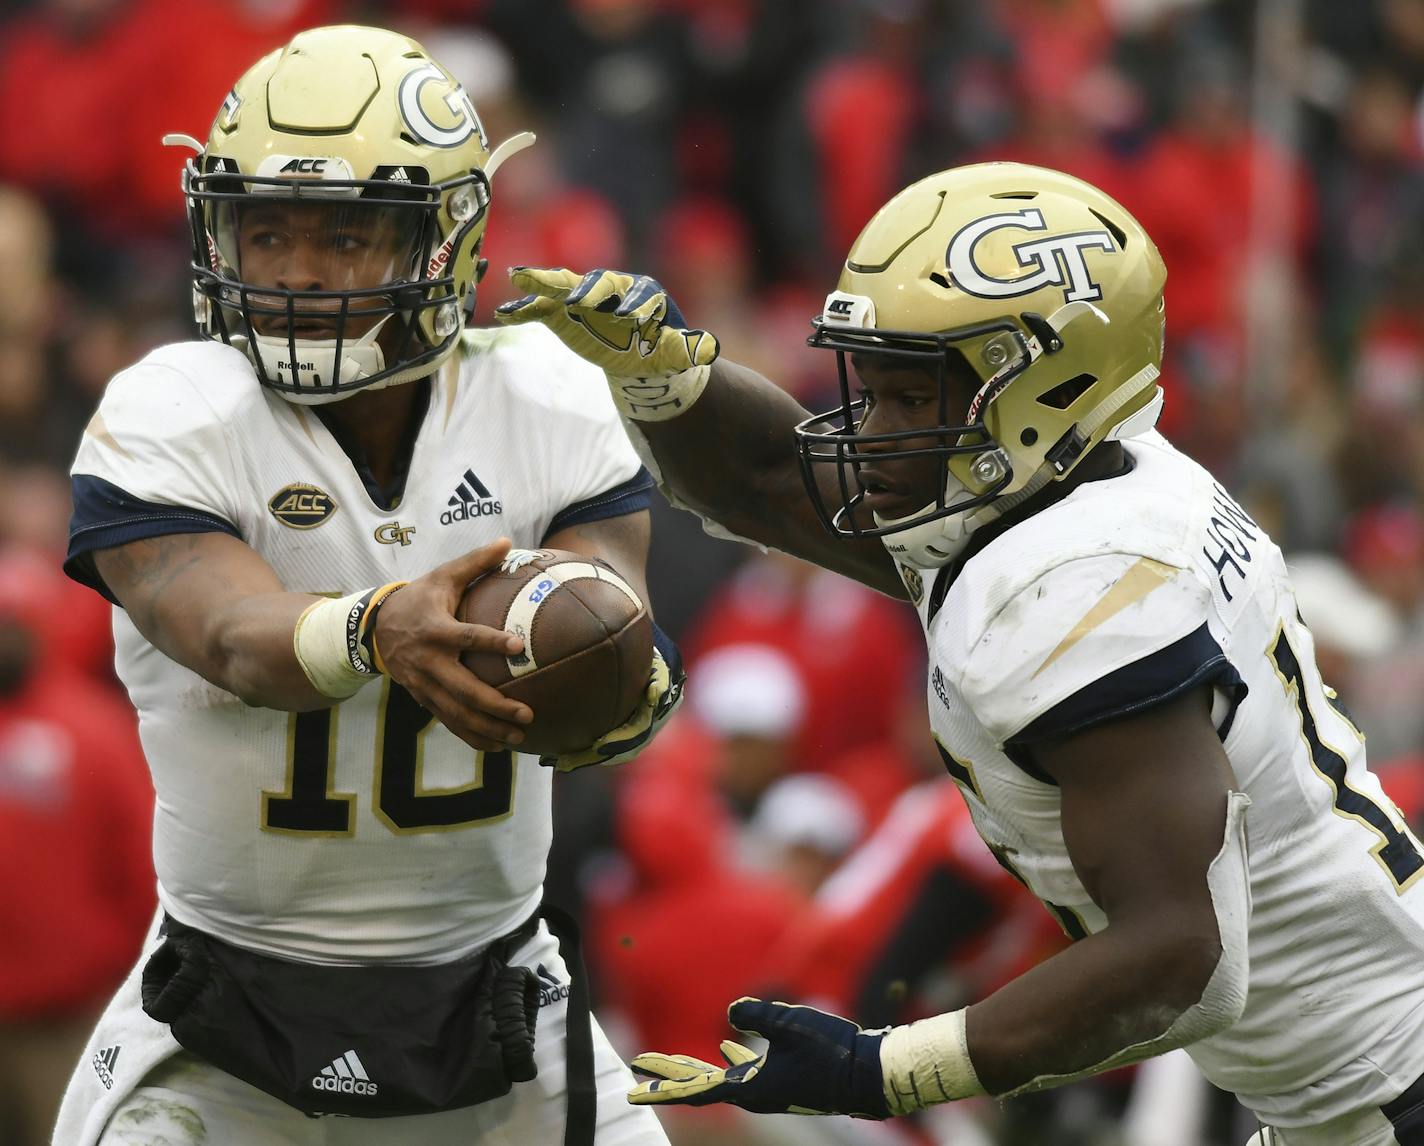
x=815, y=1063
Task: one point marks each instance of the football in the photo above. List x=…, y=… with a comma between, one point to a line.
x=588, y=644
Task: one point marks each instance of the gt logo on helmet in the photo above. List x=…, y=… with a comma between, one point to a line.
x=1055, y=261
x=425, y=129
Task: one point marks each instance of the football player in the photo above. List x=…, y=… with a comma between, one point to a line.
x=1119, y=681
x=350, y=845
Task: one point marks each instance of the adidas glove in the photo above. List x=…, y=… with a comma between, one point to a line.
x=626, y=324
x=663, y=693
x=815, y=1063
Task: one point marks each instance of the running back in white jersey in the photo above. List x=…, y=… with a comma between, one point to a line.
x=366, y=831
x=1126, y=592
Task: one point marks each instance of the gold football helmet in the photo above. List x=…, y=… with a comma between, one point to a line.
x=337, y=210
x=1046, y=289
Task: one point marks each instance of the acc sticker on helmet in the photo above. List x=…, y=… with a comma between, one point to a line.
x=301, y=506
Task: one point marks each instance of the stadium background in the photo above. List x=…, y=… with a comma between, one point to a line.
x=733, y=148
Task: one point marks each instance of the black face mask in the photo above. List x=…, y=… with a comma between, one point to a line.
x=17, y=657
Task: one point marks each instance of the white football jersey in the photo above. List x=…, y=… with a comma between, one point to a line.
x=366, y=831
x=1125, y=592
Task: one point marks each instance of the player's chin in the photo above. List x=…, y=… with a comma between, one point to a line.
x=310, y=324
x=890, y=504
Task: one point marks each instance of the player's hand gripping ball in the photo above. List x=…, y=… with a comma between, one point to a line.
x=588, y=644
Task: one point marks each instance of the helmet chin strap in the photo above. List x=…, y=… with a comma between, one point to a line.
x=317, y=367
x=933, y=544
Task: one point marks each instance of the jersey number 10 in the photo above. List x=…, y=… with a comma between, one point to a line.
x=308, y=805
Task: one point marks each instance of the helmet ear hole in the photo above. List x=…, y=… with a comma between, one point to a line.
x=1066, y=393
x=1029, y=436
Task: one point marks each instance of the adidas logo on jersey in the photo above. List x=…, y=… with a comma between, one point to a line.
x=104, y=1063
x=470, y=499
x=940, y=687
x=345, y=1075
x=550, y=989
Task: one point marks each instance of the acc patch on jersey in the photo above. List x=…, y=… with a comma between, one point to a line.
x=301, y=506
x=914, y=582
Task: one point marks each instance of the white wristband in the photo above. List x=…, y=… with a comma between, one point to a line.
x=658, y=399
x=928, y=1062
x=325, y=649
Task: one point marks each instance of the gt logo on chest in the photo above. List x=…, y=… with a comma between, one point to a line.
x=394, y=533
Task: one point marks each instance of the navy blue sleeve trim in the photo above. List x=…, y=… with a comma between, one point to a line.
x=1193, y=660
x=668, y=647
x=632, y=495
x=105, y=516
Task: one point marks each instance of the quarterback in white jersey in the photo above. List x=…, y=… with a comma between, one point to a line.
x=1119, y=680
x=350, y=846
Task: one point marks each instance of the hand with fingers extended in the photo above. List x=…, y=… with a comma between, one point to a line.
x=419, y=642
x=815, y=1063
x=628, y=325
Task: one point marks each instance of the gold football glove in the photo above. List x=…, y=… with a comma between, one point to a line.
x=662, y=695
x=626, y=324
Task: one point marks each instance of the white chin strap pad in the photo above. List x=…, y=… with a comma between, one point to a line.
x=316, y=363
x=937, y=542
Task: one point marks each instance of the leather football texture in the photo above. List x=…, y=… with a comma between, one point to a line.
x=588, y=644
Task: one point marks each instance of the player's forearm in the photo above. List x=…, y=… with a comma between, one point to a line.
x=731, y=457
x=249, y=652
x=743, y=417
x=208, y=602
x=1121, y=988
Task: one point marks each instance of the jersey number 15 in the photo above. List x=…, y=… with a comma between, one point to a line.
x=1396, y=850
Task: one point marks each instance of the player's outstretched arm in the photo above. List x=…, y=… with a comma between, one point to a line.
x=211, y=603
x=1156, y=835
x=720, y=434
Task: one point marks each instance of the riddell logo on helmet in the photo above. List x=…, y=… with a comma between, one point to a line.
x=440, y=258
